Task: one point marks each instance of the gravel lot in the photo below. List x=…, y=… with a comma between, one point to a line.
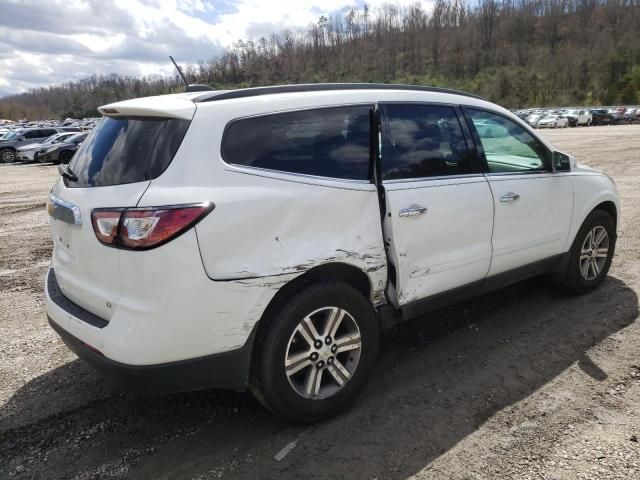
x=524, y=383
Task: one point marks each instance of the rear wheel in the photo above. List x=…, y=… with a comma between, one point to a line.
x=315, y=352
x=591, y=253
x=7, y=155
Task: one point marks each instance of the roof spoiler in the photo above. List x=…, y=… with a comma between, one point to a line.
x=197, y=87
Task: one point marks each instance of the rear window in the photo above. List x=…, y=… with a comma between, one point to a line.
x=326, y=142
x=127, y=150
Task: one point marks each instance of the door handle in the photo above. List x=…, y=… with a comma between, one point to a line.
x=412, y=211
x=509, y=197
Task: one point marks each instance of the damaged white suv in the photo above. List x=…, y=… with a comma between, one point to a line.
x=263, y=238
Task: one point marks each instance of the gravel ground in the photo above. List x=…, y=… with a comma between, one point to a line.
x=523, y=383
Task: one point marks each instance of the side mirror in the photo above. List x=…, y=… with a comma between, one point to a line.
x=561, y=162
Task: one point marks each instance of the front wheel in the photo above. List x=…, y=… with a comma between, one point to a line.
x=315, y=352
x=7, y=155
x=591, y=253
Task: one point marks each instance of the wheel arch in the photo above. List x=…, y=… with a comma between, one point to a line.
x=336, y=271
x=609, y=207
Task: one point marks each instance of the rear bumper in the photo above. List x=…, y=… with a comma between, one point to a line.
x=95, y=340
x=48, y=157
x=228, y=370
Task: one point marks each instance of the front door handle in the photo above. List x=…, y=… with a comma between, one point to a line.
x=509, y=197
x=412, y=211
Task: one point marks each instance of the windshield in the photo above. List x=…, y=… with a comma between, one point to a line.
x=127, y=150
x=52, y=139
x=10, y=135
x=61, y=137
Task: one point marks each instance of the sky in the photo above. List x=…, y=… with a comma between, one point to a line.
x=47, y=42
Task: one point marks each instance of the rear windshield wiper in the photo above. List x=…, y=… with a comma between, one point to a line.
x=66, y=172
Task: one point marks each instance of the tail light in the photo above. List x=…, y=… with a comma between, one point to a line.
x=147, y=227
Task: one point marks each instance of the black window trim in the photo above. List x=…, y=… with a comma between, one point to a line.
x=480, y=155
x=476, y=164
x=282, y=174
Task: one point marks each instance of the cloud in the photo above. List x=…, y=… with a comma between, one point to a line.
x=45, y=43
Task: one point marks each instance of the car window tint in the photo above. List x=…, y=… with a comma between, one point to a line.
x=127, y=150
x=327, y=142
x=507, y=146
x=30, y=134
x=422, y=141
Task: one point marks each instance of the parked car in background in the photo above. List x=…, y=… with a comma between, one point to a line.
x=579, y=118
x=534, y=118
x=553, y=121
x=10, y=143
x=160, y=278
x=632, y=116
x=601, y=116
x=61, y=152
x=28, y=152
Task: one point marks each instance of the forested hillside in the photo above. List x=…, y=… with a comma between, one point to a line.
x=514, y=52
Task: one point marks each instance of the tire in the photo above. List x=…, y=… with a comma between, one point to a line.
x=65, y=157
x=282, y=336
x=7, y=155
x=574, y=279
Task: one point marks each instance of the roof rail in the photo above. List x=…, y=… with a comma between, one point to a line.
x=323, y=87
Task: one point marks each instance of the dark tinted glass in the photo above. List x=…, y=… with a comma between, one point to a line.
x=127, y=150
x=30, y=134
x=422, y=141
x=328, y=142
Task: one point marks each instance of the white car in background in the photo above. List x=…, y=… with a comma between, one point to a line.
x=28, y=152
x=580, y=117
x=265, y=238
x=553, y=121
x=534, y=118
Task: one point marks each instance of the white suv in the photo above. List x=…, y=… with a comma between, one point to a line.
x=263, y=238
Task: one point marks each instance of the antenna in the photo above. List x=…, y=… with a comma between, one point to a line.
x=189, y=88
x=184, y=79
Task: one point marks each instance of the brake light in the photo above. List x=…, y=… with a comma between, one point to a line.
x=105, y=225
x=145, y=228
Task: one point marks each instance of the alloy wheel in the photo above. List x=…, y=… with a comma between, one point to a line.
x=7, y=156
x=594, y=253
x=323, y=353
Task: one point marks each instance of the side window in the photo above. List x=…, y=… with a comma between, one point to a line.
x=48, y=132
x=422, y=141
x=507, y=146
x=327, y=142
x=30, y=134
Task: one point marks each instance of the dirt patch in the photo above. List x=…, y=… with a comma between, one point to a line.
x=523, y=383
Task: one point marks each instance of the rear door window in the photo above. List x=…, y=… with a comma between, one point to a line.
x=420, y=141
x=47, y=132
x=31, y=134
x=326, y=142
x=127, y=150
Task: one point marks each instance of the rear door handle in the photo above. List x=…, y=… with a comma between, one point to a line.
x=509, y=197
x=412, y=211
